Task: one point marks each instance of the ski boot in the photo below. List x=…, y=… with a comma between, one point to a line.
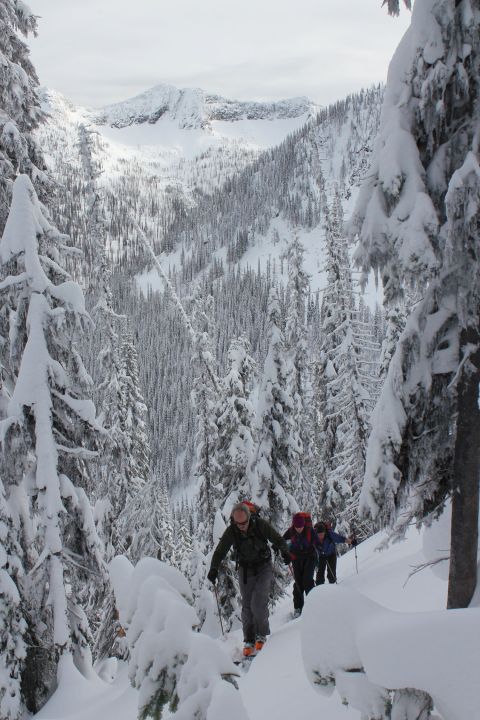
x=260, y=642
x=248, y=650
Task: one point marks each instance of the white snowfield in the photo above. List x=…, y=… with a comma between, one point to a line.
x=376, y=629
x=164, y=125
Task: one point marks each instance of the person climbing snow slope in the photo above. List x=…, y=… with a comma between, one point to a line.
x=304, y=547
x=251, y=535
x=327, y=558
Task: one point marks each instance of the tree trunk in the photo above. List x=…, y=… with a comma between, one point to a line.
x=466, y=475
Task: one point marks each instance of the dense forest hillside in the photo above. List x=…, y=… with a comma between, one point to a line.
x=219, y=211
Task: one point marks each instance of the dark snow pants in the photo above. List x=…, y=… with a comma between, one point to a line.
x=255, y=584
x=328, y=562
x=303, y=572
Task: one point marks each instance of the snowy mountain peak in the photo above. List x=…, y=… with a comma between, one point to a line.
x=192, y=108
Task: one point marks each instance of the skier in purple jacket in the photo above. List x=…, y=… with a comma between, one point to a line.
x=303, y=545
x=327, y=552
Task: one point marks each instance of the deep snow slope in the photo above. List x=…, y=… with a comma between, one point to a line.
x=276, y=685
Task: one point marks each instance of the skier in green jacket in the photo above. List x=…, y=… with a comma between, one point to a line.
x=251, y=535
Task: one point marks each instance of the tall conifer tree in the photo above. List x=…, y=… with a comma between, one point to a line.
x=20, y=110
x=344, y=397
x=49, y=432
x=417, y=218
x=297, y=349
x=278, y=443
x=235, y=423
x=12, y=623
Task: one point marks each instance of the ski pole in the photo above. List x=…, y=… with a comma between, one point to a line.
x=354, y=538
x=218, y=607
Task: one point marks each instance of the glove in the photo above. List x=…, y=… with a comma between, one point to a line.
x=287, y=558
x=212, y=575
x=353, y=542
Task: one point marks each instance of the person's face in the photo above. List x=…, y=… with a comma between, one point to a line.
x=321, y=536
x=299, y=529
x=240, y=519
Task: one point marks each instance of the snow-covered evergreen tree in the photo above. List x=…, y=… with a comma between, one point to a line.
x=183, y=540
x=278, y=444
x=133, y=420
x=20, y=115
x=111, y=482
x=395, y=323
x=147, y=524
x=171, y=664
x=297, y=348
x=206, y=468
x=123, y=465
x=417, y=218
x=50, y=429
x=20, y=108
x=235, y=422
x=344, y=401
x=167, y=534
x=204, y=397
x=233, y=450
x=12, y=623
x=95, y=225
x=203, y=597
x=109, y=486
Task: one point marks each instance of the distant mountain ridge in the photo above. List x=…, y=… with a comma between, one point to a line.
x=192, y=108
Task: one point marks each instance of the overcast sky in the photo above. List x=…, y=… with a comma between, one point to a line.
x=101, y=51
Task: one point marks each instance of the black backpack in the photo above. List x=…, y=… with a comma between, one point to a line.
x=252, y=549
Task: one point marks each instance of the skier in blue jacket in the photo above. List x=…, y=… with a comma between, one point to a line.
x=327, y=552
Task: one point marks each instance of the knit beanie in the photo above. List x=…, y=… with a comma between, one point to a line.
x=298, y=521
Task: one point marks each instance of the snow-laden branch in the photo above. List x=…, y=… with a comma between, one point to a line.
x=83, y=408
x=78, y=452
x=170, y=663
x=13, y=280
